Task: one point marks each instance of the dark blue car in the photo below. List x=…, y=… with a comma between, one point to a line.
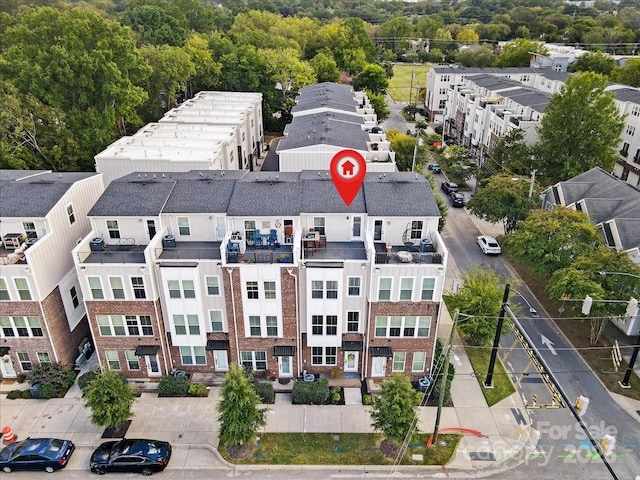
x=48, y=454
x=131, y=455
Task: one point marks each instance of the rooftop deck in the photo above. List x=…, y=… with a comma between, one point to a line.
x=192, y=251
x=408, y=253
x=118, y=254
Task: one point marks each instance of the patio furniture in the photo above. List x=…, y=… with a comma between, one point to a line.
x=273, y=237
x=404, y=256
x=257, y=239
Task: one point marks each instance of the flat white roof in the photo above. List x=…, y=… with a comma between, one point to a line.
x=141, y=152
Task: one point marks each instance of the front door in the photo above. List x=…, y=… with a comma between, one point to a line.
x=6, y=367
x=220, y=360
x=379, y=366
x=350, y=361
x=284, y=367
x=377, y=230
x=153, y=367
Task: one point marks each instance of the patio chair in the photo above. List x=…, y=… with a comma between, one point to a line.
x=257, y=239
x=273, y=237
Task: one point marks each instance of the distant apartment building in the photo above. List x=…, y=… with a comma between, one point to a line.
x=270, y=270
x=42, y=313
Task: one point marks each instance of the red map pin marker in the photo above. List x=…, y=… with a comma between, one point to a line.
x=348, y=169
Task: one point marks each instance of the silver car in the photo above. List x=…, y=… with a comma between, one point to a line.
x=488, y=245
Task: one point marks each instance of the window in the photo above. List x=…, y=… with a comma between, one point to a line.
x=183, y=226
x=112, y=227
x=96, y=288
x=151, y=228
x=635, y=111
x=216, y=320
x=188, y=289
x=353, y=321
x=213, y=285
x=317, y=288
x=30, y=229
x=407, y=327
x=114, y=325
x=324, y=325
x=252, y=290
x=270, y=290
x=272, y=326
x=332, y=289
x=406, y=288
x=323, y=355
x=384, y=289
x=419, y=359
x=524, y=78
x=4, y=291
x=442, y=91
x=25, y=361
x=428, y=285
x=43, y=357
x=442, y=104
x=117, y=289
x=416, y=229
x=317, y=324
x=74, y=297
x=332, y=325
x=249, y=228
x=21, y=327
x=70, y=215
x=255, y=330
x=7, y=327
x=194, y=324
x=112, y=359
x=180, y=325
x=398, y=361
x=133, y=362
x=445, y=78
x=137, y=283
x=193, y=356
x=254, y=360
x=34, y=326
x=23, y=288
x=356, y=229
x=174, y=288
x=630, y=130
x=319, y=224
x=354, y=286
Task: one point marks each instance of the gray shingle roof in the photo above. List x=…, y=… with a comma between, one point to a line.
x=33, y=193
x=266, y=194
x=325, y=129
x=399, y=194
x=627, y=94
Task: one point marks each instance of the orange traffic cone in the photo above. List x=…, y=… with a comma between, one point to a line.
x=8, y=436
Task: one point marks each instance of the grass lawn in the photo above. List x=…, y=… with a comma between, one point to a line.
x=502, y=385
x=577, y=331
x=341, y=449
x=400, y=83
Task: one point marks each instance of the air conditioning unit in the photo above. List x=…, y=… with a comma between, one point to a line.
x=97, y=244
x=169, y=241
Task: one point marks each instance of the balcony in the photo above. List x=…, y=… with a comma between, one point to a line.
x=190, y=251
x=424, y=252
x=12, y=248
x=124, y=250
x=333, y=251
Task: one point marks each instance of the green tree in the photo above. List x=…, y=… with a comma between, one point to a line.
x=479, y=296
x=598, y=62
x=456, y=159
x=380, y=105
x=395, y=32
x=481, y=57
x=548, y=241
x=394, y=410
x=287, y=71
x=518, y=53
x=110, y=398
x=206, y=75
x=240, y=416
x=373, y=79
x=467, y=36
x=504, y=198
x=629, y=74
x=325, y=68
x=156, y=24
x=580, y=129
x=403, y=145
x=510, y=154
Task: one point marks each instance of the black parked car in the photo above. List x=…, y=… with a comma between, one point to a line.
x=434, y=167
x=48, y=454
x=456, y=199
x=449, y=187
x=131, y=455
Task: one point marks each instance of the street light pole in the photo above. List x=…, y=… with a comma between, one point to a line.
x=443, y=379
x=488, y=382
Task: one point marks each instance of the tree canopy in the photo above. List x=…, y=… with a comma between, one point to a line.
x=110, y=399
x=394, y=408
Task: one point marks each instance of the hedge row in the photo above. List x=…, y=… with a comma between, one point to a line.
x=310, y=393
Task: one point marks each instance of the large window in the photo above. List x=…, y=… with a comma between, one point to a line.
x=183, y=226
x=30, y=229
x=186, y=325
x=269, y=290
x=258, y=326
x=117, y=288
x=112, y=228
x=398, y=361
x=133, y=362
x=254, y=360
x=428, y=285
x=213, y=285
x=125, y=325
x=332, y=289
x=353, y=321
x=249, y=228
x=252, y=290
x=255, y=330
x=25, y=361
x=113, y=361
x=23, y=288
x=217, y=324
x=193, y=356
x=4, y=291
x=323, y=355
x=317, y=289
x=21, y=327
x=416, y=229
x=137, y=283
x=43, y=357
x=321, y=325
x=384, y=288
x=319, y=224
x=187, y=291
x=272, y=326
x=96, y=288
x=419, y=359
x=406, y=288
x=354, y=286
x=407, y=327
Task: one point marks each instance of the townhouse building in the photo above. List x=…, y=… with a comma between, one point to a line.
x=42, y=313
x=627, y=166
x=270, y=270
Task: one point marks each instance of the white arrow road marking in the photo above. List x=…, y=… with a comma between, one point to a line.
x=549, y=344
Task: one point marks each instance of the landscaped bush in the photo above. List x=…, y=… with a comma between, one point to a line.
x=26, y=394
x=265, y=392
x=173, y=386
x=335, y=394
x=21, y=377
x=310, y=393
x=367, y=399
x=54, y=379
x=13, y=394
x=198, y=390
x=85, y=379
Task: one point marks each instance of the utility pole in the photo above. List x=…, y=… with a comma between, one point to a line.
x=533, y=179
x=488, y=382
x=446, y=351
x=632, y=362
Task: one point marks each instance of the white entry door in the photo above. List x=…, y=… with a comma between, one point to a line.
x=220, y=360
x=6, y=366
x=284, y=367
x=153, y=367
x=379, y=366
x=350, y=361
